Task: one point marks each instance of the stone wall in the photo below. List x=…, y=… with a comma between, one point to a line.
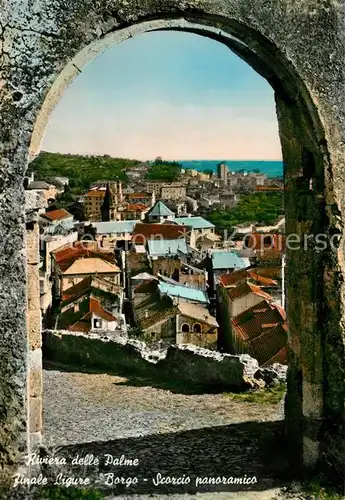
x=34, y=203
x=189, y=364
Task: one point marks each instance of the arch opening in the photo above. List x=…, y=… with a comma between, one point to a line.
x=306, y=160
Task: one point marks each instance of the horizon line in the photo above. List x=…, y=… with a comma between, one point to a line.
x=164, y=159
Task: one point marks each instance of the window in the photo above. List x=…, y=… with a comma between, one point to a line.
x=197, y=328
x=97, y=323
x=267, y=241
x=185, y=328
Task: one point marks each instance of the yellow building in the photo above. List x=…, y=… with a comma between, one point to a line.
x=93, y=201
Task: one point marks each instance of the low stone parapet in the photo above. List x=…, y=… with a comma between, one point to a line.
x=186, y=363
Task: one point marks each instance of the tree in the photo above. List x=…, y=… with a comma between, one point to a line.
x=80, y=170
x=252, y=208
x=166, y=171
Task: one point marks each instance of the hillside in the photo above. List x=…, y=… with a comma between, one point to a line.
x=252, y=208
x=81, y=170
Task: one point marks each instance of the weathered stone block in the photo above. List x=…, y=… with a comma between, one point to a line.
x=35, y=369
x=34, y=201
x=33, y=287
x=33, y=244
x=34, y=328
x=312, y=399
x=35, y=441
x=35, y=414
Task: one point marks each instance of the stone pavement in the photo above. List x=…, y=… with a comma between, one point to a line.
x=195, y=437
x=81, y=407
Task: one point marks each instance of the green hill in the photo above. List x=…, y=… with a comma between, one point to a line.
x=252, y=208
x=81, y=170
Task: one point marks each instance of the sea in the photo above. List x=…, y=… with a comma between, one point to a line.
x=270, y=168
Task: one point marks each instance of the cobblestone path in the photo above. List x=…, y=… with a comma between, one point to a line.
x=180, y=435
x=80, y=408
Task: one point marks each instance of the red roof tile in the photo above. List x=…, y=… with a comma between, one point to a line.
x=95, y=193
x=281, y=357
x=250, y=323
x=85, y=286
x=243, y=275
x=243, y=289
x=67, y=255
x=143, y=232
x=96, y=308
x=269, y=346
x=263, y=329
x=58, y=214
x=76, y=290
x=136, y=207
x=232, y=278
x=83, y=323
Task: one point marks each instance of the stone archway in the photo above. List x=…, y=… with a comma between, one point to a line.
x=298, y=47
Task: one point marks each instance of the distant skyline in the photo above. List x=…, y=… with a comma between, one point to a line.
x=176, y=95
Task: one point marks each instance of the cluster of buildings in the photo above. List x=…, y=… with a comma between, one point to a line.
x=201, y=192
x=137, y=266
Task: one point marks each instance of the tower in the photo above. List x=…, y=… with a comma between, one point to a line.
x=222, y=171
x=107, y=205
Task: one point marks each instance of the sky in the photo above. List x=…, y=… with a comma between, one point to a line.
x=176, y=95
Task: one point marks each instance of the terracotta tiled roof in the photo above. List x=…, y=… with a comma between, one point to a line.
x=91, y=265
x=143, y=232
x=263, y=329
x=269, y=345
x=95, y=193
x=243, y=289
x=96, y=308
x=261, y=279
x=86, y=285
x=250, y=323
x=80, y=322
x=136, y=207
x=76, y=290
x=83, y=325
x=59, y=214
x=243, y=275
x=229, y=279
x=65, y=256
x=272, y=272
x=281, y=357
